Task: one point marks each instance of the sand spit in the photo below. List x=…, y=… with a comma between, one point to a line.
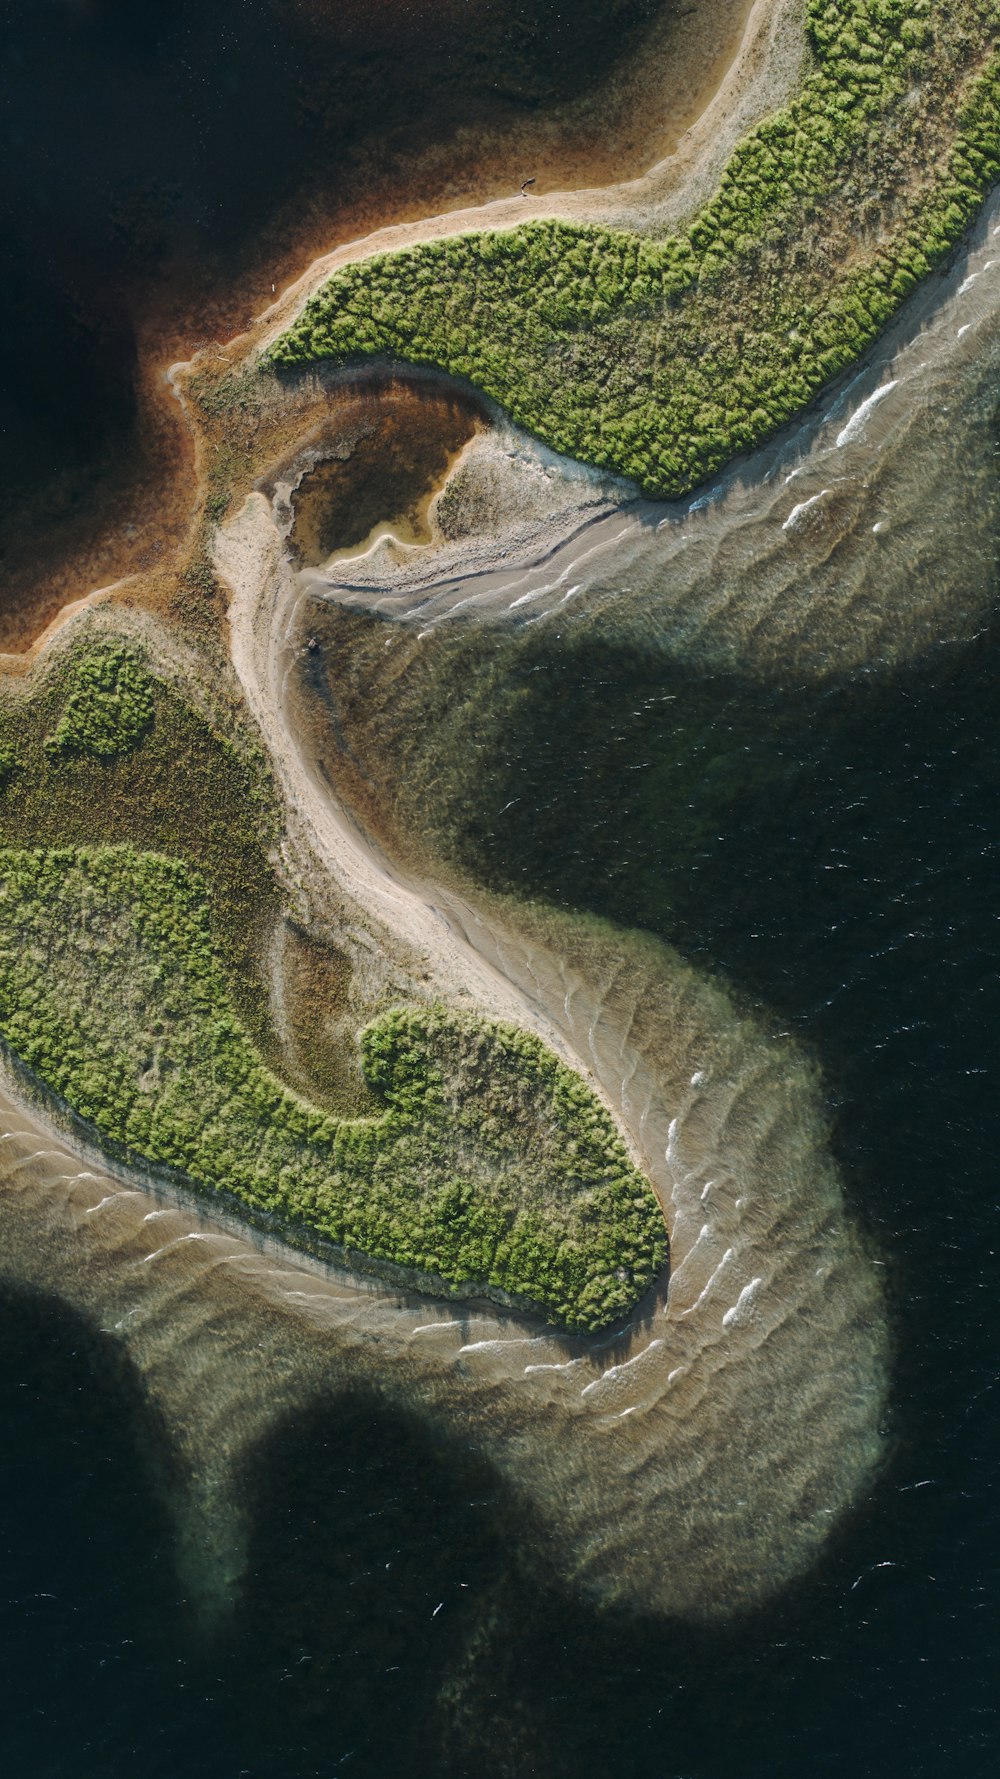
x=697, y=1461
x=690, y=1466
x=726, y=1450
x=770, y=569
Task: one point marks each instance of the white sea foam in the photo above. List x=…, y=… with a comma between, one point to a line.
x=859, y=420
x=804, y=506
x=742, y=1309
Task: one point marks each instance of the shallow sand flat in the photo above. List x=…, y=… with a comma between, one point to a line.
x=135, y=562
x=689, y=1465
x=768, y=1270
x=697, y=1462
x=723, y=1402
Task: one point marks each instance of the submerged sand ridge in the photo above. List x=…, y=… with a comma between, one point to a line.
x=698, y=1461
x=351, y=140
x=734, y=1424
x=688, y=1467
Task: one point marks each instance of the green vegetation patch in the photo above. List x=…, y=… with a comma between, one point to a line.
x=660, y=359
x=491, y=1163
x=109, y=704
x=186, y=787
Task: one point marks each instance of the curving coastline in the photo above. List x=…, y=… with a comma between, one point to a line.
x=779, y=530
x=730, y=1427
x=709, y=1436
x=763, y=73
x=691, y=1467
x=699, y=1463
x=661, y=357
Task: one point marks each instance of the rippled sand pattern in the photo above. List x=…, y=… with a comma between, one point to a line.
x=822, y=554
x=690, y=1466
x=697, y=1461
x=700, y=1461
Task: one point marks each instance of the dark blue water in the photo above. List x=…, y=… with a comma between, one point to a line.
x=836, y=856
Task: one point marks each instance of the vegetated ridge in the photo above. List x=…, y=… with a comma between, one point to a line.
x=661, y=359
x=103, y=749
x=492, y=1164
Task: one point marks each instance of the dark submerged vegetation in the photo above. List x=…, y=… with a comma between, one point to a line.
x=490, y=1165
x=661, y=359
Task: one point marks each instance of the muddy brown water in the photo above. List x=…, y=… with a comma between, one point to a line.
x=377, y=465
x=173, y=163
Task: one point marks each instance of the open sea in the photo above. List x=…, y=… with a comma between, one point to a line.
x=829, y=850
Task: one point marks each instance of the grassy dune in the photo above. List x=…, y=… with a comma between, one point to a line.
x=490, y=1164
x=661, y=359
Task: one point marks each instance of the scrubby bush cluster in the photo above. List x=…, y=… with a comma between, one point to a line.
x=490, y=1164
x=197, y=787
x=109, y=704
x=661, y=359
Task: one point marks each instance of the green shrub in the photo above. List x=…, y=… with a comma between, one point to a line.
x=109, y=705
x=607, y=345
x=491, y=1163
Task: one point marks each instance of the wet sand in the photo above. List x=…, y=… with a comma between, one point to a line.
x=727, y=1124
x=698, y=1462
x=689, y=1467
x=763, y=70
x=378, y=454
x=768, y=1269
